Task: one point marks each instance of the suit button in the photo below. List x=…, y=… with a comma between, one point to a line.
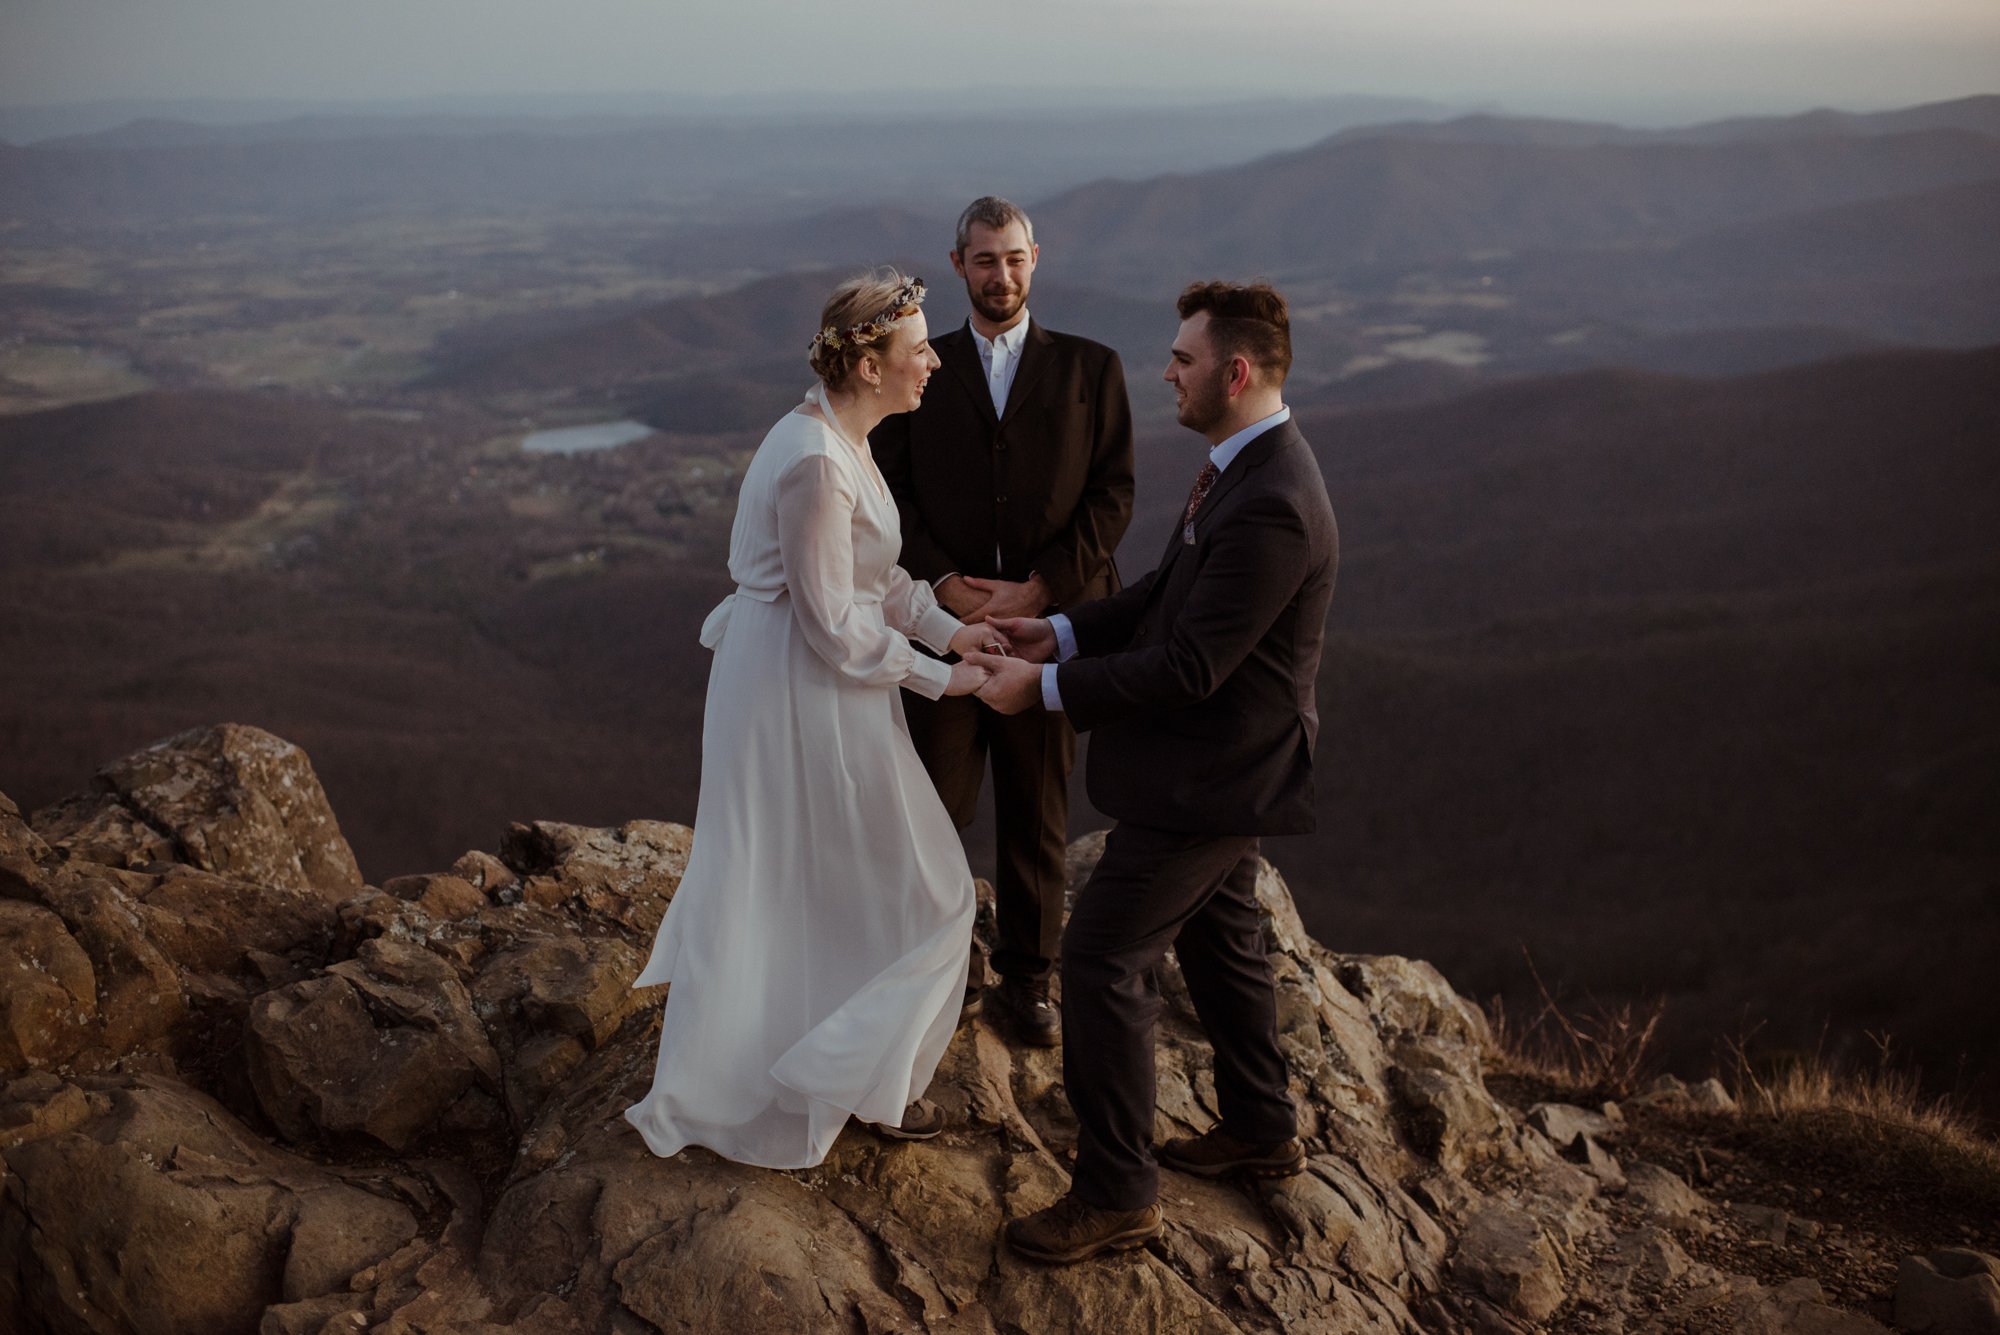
x=999, y=500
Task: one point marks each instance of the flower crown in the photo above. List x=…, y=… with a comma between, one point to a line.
x=911, y=293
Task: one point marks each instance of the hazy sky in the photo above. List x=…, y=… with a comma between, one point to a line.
x=1574, y=56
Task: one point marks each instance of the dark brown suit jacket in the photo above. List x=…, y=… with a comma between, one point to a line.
x=1197, y=682
x=1049, y=481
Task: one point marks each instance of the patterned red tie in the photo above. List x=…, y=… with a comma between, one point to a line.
x=1209, y=473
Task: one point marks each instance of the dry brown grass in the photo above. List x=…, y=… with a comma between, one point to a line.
x=1891, y=1159
x=1597, y=1051
x=1880, y=1118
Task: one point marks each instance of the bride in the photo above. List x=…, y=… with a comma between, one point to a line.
x=818, y=943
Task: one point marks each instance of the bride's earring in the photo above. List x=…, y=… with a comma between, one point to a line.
x=878, y=389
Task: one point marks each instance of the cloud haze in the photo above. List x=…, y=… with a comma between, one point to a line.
x=1573, y=56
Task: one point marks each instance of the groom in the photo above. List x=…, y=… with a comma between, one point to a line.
x=1197, y=683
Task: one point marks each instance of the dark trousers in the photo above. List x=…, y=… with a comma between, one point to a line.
x=1032, y=754
x=1154, y=889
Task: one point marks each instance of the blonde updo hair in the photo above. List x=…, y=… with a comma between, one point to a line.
x=855, y=305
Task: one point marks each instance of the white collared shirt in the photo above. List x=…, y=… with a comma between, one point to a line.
x=1001, y=356
x=1225, y=454
x=1221, y=455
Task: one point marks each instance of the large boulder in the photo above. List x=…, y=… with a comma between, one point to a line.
x=141, y=999
x=550, y=1002
x=194, y=875
x=1506, y=1256
x=48, y=991
x=229, y=799
x=209, y=924
x=381, y=1046
x=137, y=1204
x=1952, y=1291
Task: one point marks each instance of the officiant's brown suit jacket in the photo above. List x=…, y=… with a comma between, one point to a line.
x=1049, y=481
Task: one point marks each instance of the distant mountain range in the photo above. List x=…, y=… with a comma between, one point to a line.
x=1377, y=207
x=688, y=167
x=1417, y=266
x=1979, y=114
x=238, y=120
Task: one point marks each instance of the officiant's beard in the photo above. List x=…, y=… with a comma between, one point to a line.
x=998, y=308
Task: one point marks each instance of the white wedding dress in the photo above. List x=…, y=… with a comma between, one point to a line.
x=818, y=943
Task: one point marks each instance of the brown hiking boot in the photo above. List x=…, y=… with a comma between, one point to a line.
x=1216, y=1153
x=1025, y=1004
x=1071, y=1231
x=921, y=1121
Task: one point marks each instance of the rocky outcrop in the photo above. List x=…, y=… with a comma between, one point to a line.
x=136, y=1203
x=232, y=800
x=245, y=1092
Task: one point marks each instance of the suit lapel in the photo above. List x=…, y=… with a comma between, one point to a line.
x=1035, y=358
x=957, y=351
x=1251, y=457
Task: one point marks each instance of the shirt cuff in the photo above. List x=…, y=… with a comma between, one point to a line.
x=928, y=677
x=1065, y=637
x=1051, y=697
x=936, y=627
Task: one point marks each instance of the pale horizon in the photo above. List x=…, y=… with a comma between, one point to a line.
x=1643, y=64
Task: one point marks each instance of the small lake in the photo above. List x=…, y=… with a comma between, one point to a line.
x=578, y=439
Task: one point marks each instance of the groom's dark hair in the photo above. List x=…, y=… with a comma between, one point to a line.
x=1247, y=320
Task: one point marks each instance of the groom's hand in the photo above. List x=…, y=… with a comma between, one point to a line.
x=1031, y=638
x=1015, y=685
x=1005, y=598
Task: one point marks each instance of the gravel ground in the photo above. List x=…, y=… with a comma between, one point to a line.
x=1826, y=1196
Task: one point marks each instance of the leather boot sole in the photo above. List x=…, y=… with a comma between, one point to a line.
x=1137, y=1236
x=1271, y=1166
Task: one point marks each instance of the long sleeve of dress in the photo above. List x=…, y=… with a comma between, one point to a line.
x=815, y=540
x=912, y=607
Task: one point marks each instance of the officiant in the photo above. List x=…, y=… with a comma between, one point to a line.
x=1013, y=482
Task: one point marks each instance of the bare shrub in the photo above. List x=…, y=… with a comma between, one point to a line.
x=1596, y=1051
